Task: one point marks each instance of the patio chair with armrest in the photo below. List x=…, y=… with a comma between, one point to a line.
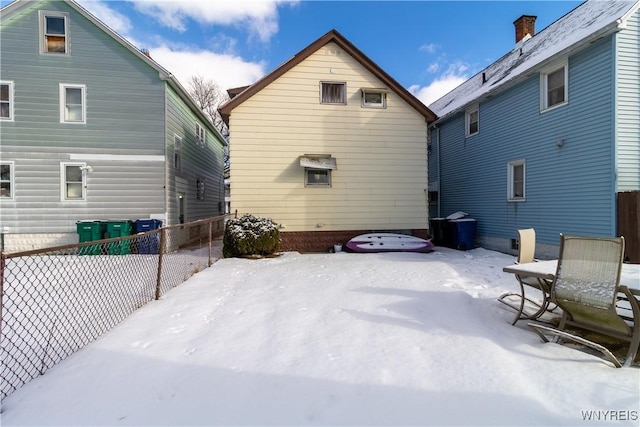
x=526, y=254
x=586, y=288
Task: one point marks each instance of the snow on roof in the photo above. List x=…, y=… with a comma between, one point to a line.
x=587, y=22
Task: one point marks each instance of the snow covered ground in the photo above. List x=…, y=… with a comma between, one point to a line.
x=331, y=339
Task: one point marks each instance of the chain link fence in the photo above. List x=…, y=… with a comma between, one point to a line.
x=57, y=300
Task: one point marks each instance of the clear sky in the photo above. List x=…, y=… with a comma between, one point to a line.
x=427, y=46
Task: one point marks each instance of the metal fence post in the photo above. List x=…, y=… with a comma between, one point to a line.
x=210, y=242
x=2, y=265
x=160, y=252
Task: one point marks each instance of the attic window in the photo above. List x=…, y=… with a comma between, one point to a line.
x=53, y=32
x=374, y=98
x=333, y=93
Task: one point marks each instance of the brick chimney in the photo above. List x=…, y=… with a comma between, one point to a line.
x=526, y=24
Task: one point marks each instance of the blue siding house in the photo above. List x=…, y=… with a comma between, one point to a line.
x=92, y=128
x=548, y=136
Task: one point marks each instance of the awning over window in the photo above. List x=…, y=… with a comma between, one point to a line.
x=318, y=162
x=374, y=89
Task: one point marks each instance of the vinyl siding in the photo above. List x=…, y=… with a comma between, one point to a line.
x=628, y=105
x=381, y=153
x=568, y=189
x=124, y=117
x=198, y=161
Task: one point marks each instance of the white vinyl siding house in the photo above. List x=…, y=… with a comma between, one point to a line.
x=628, y=104
x=370, y=163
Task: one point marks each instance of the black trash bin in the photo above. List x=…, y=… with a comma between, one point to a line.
x=439, y=231
x=147, y=244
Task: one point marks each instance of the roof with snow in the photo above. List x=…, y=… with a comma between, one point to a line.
x=584, y=24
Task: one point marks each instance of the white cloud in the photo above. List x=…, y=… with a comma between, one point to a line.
x=183, y=61
x=113, y=19
x=456, y=74
x=436, y=89
x=225, y=69
x=258, y=17
x=429, y=47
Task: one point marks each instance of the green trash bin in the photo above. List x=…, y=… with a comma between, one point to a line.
x=89, y=231
x=119, y=228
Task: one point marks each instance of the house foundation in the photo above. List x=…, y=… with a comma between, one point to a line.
x=323, y=241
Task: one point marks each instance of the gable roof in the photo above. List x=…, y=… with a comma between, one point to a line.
x=586, y=23
x=14, y=8
x=347, y=46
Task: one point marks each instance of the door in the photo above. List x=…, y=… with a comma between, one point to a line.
x=181, y=201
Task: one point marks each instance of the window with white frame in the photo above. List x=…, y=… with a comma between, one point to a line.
x=374, y=98
x=6, y=180
x=201, y=135
x=200, y=188
x=554, y=86
x=73, y=181
x=333, y=93
x=472, y=120
x=54, y=33
x=177, y=153
x=6, y=100
x=516, y=179
x=72, y=103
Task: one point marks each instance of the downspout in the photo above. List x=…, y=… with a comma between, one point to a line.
x=615, y=184
x=438, y=165
x=167, y=174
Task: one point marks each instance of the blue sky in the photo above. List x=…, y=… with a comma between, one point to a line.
x=427, y=46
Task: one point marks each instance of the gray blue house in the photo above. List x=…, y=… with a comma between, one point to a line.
x=548, y=136
x=92, y=128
